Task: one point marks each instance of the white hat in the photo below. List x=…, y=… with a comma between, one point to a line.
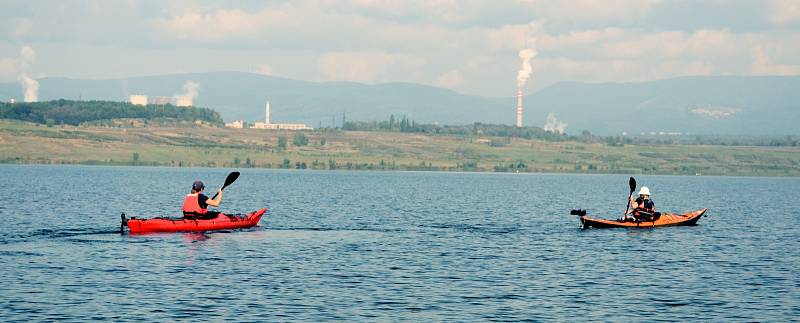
x=644, y=191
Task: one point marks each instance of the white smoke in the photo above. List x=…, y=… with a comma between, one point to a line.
x=30, y=86
x=190, y=92
x=525, y=71
x=553, y=125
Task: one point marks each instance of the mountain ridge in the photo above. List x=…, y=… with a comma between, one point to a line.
x=687, y=104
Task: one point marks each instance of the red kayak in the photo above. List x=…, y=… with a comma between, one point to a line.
x=220, y=222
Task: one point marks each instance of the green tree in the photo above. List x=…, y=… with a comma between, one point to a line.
x=135, y=156
x=300, y=139
x=281, y=142
x=322, y=142
x=286, y=163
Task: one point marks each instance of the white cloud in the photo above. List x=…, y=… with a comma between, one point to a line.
x=264, y=69
x=469, y=45
x=214, y=26
x=784, y=12
x=593, y=10
x=8, y=69
x=763, y=65
x=354, y=66
x=452, y=79
x=23, y=27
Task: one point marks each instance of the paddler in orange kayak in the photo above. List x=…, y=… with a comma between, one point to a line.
x=195, y=205
x=642, y=207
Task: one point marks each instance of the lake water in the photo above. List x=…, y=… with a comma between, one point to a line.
x=364, y=246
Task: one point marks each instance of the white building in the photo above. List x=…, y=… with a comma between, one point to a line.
x=162, y=100
x=278, y=126
x=235, y=124
x=183, y=102
x=138, y=99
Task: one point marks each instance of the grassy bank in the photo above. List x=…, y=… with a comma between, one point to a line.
x=22, y=142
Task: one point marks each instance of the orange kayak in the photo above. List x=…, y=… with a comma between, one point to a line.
x=666, y=219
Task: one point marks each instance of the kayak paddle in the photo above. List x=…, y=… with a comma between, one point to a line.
x=230, y=179
x=632, y=184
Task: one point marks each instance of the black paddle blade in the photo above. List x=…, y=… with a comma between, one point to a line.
x=234, y=175
x=632, y=183
x=228, y=181
x=578, y=212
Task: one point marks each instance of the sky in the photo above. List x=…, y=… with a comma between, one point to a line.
x=468, y=46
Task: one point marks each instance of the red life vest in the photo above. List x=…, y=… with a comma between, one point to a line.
x=640, y=207
x=191, y=206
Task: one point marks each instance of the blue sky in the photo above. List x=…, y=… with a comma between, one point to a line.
x=468, y=46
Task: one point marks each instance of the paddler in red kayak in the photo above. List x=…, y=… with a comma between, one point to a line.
x=642, y=207
x=195, y=205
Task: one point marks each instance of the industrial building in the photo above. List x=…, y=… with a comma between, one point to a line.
x=238, y=124
x=137, y=99
x=278, y=126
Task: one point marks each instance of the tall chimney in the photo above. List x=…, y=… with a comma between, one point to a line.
x=519, y=109
x=266, y=119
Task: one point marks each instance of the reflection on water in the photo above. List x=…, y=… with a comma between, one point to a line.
x=192, y=237
x=389, y=246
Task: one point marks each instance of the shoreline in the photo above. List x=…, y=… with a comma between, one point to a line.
x=25, y=143
x=439, y=171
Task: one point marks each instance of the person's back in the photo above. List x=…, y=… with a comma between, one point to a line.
x=195, y=204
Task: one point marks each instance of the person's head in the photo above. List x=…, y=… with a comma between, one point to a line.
x=197, y=186
x=644, y=193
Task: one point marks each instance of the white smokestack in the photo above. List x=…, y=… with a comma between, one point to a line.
x=266, y=114
x=553, y=125
x=519, y=109
x=190, y=94
x=30, y=86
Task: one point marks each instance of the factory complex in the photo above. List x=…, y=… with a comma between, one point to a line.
x=268, y=125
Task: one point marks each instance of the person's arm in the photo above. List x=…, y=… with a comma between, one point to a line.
x=634, y=205
x=215, y=202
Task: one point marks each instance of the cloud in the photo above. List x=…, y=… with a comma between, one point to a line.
x=214, y=26
x=354, y=66
x=469, y=45
x=784, y=12
x=8, y=69
x=763, y=64
x=452, y=79
x=264, y=69
x=593, y=11
x=23, y=27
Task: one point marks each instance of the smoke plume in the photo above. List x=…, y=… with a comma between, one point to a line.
x=190, y=92
x=30, y=86
x=525, y=71
x=553, y=125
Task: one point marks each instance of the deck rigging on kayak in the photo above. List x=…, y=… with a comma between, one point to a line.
x=644, y=214
x=197, y=218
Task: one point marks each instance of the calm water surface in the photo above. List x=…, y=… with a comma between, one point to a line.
x=395, y=246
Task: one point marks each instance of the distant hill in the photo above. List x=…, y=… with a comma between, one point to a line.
x=767, y=105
